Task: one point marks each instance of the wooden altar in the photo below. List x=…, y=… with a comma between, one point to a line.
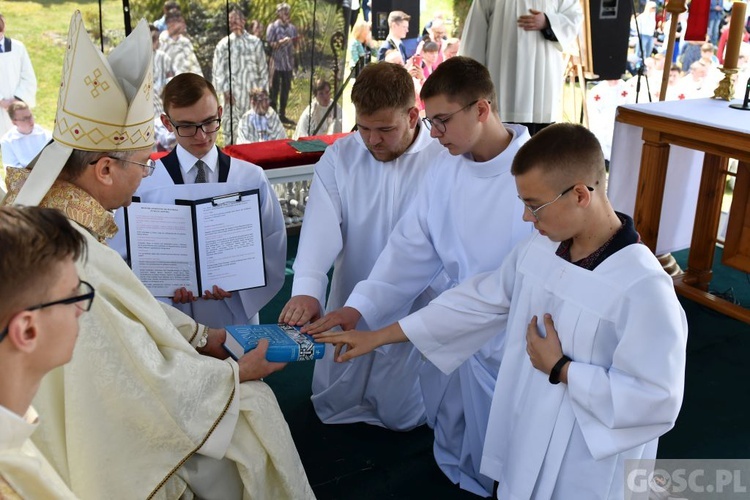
x=711, y=127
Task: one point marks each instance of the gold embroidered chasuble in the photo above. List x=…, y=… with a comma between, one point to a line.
x=137, y=401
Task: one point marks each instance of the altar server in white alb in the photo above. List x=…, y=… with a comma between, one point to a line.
x=465, y=220
x=594, y=365
x=149, y=406
x=17, y=79
x=362, y=186
x=522, y=43
x=192, y=112
x=25, y=139
x=39, y=320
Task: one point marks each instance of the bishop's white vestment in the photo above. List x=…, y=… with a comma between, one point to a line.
x=24, y=472
x=137, y=401
x=626, y=333
x=244, y=305
x=16, y=80
x=465, y=221
x=354, y=203
x=526, y=68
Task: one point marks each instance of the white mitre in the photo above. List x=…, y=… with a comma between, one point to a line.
x=105, y=104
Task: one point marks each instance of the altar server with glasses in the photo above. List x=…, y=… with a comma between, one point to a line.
x=149, y=406
x=465, y=220
x=42, y=301
x=191, y=171
x=594, y=366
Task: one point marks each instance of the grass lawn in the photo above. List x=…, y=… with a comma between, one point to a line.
x=43, y=27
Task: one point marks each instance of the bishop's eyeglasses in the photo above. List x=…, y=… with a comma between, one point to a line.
x=82, y=300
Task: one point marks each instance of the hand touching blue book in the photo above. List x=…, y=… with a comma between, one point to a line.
x=285, y=343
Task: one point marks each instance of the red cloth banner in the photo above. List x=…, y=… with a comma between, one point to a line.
x=697, y=24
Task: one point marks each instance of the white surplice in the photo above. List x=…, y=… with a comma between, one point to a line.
x=23, y=469
x=626, y=333
x=527, y=69
x=17, y=79
x=465, y=221
x=244, y=305
x=354, y=203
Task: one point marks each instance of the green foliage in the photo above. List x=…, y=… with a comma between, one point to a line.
x=460, y=10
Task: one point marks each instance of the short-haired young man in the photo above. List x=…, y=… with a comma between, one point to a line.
x=42, y=300
x=192, y=112
x=23, y=142
x=465, y=220
x=311, y=120
x=363, y=185
x=398, y=28
x=606, y=381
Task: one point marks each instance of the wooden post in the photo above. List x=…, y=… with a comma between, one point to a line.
x=674, y=7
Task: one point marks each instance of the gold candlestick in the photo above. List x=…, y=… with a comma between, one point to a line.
x=725, y=90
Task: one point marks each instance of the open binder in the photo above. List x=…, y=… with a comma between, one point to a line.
x=197, y=243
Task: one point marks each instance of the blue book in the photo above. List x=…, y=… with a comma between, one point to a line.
x=285, y=343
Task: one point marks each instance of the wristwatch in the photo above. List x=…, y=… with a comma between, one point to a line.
x=203, y=340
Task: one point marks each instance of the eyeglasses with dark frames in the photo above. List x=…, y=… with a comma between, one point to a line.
x=147, y=167
x=440, y=123
x=85, y=297
x=190, y=129
x=535, y=211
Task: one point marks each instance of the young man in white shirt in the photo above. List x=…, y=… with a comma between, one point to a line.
x=465, y=220
x=398, y=28
x=25, y=140
x=39, y=319
x=606, y=379
x=363, y=184
x=192, y=112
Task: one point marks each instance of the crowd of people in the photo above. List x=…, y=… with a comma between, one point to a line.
x=541, y=341
x=693, y=73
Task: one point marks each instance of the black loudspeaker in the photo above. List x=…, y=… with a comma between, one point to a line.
x=381, y=9
x=610, y=30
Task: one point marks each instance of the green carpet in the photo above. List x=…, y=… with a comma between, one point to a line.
x=365, y=462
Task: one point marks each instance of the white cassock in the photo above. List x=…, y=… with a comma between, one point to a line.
x=527, y=69
x=244, y=305
x=19, y=149
x=306, y=126
x=17, y=79
x=354, y=203
x=626, y=333
x=465, y=221
x=23, y=469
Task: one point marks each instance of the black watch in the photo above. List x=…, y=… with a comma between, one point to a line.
x=554, y=374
